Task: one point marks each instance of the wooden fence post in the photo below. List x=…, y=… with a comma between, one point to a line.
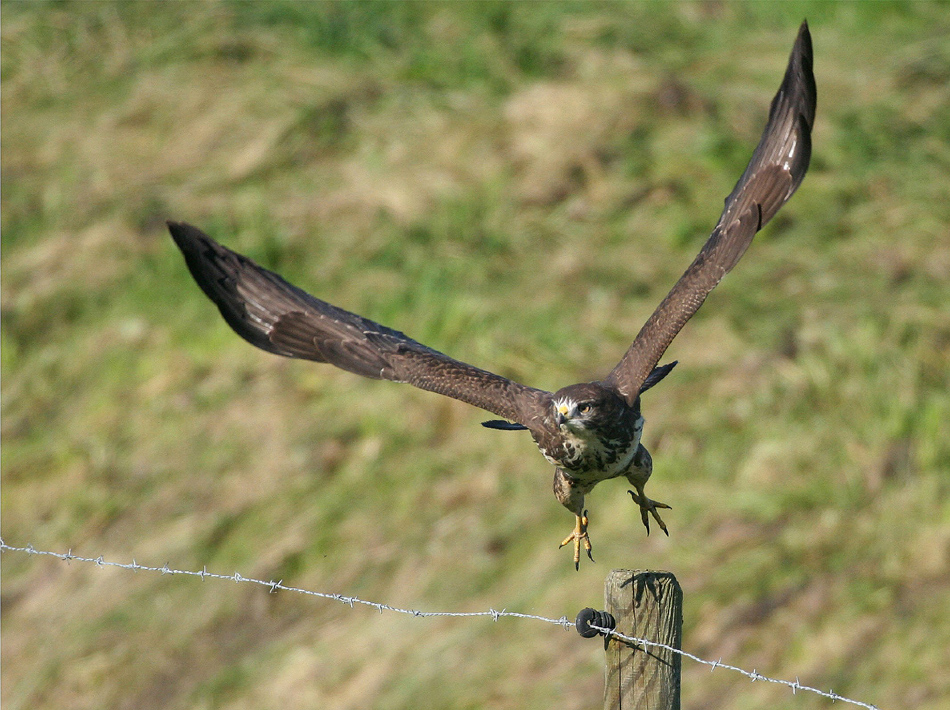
x=647, y=605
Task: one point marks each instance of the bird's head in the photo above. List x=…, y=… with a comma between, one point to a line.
x=587, y=407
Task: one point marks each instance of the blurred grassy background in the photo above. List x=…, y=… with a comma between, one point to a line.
x=517, y=185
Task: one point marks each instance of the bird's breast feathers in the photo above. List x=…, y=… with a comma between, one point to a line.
x=586, y=452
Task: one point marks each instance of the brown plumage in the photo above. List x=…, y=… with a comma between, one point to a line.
x=589, y=431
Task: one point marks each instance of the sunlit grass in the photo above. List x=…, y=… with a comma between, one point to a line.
x=517, y=185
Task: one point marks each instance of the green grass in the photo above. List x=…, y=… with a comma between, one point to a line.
x=516, y=184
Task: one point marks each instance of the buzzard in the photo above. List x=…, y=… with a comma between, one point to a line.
x=590, y=431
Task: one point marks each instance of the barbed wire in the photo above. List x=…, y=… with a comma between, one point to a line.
x=495, y=614
x=275, y=586
x=713, y=665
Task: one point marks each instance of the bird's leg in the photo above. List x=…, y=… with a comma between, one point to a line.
x=571, y=495
x=578, y=536
x=648, y=506
x=638, y=475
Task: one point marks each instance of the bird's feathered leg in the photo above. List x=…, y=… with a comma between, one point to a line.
x=571, y=496
x=638, y=477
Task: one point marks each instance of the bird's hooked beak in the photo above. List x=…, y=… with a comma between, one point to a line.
x=561, y=413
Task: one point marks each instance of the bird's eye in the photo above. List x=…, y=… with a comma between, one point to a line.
x=584, y=408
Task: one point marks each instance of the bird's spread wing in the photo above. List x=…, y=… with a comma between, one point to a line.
x=772, y=176
x=276, y=316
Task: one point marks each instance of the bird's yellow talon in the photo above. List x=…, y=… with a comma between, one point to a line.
x=647, y=508
x=577, y=537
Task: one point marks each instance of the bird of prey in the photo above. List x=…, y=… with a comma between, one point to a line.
x=590, y=431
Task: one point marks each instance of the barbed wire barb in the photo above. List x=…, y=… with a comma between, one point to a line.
x=495, y=615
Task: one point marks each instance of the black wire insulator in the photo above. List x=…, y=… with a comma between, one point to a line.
x=589, y=616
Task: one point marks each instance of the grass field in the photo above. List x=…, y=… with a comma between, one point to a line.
x=517, y=185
